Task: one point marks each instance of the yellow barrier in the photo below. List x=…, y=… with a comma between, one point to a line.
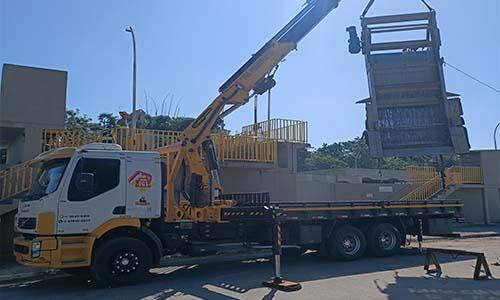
x=292, y=131
x=16, y=180
x=431, y=182
x=57, y=138
x=229, y=148
x=417, y=174
x=245, y=148
x=143, y=139
x=425, y=191
x=463, y=175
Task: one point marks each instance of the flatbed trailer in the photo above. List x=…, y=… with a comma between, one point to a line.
x=368, y=226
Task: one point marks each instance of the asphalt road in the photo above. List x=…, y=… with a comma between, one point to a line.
x=397, y=277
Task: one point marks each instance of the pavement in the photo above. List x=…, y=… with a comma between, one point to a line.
x=398, y=277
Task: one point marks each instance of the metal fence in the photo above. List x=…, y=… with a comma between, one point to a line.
x=282, y=130
x=16, y=180
x=245, y=148
x=430, y=182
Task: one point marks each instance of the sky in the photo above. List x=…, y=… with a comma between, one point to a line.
x=187, y=49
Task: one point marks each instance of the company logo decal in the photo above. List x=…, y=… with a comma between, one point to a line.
x=142, y=201
x=141, y=180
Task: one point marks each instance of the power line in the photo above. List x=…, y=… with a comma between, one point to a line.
x=472, y=77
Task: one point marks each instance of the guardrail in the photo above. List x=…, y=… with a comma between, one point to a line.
x=282, y=130
x=417, y=174
x=143, y=139
x=245, y=148
x=229, y=148
x=463, y=175
x=425, y=191
x=431, y=183
x=16, y=180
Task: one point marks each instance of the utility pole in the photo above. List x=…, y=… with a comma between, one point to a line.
x=269, y=113
x=495, y=136
x=134, y=102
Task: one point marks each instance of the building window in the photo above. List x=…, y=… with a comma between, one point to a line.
x=3, y=156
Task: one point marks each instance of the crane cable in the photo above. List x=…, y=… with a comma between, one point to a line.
x=471, y=77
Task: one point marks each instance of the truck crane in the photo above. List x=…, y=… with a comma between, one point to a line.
x=115, y=214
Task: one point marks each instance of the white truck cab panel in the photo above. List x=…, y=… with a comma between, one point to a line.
x=122, y=184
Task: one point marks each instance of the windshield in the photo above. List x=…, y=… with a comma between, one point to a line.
x=48, y=177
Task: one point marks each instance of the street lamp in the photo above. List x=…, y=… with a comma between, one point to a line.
x=495, y=136
x=134, y=103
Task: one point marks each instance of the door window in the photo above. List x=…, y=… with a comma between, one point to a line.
x=106, y=173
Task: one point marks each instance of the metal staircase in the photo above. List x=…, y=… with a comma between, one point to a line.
x=429, y=183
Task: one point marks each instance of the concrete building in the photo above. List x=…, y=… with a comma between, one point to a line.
x=482, y=202
x=31, y=99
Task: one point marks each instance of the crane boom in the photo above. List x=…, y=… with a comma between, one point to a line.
x=194, y=153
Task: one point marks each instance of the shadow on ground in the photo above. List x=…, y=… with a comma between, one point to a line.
x=441, y=289
x=228, y=280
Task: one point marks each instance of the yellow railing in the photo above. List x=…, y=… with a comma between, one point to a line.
x=229, y=148
x=245, y=148
x=425, y=191
x=463, y=175
x=16, y=180
x=57, y=138
x=143, y=139
x=431, y=183
x=283, y=130
x=417, y=174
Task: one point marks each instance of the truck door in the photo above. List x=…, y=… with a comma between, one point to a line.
x=94, y=194
x=143, y=185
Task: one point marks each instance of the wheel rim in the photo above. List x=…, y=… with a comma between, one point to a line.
x=351, y=244
x=124, y=263
x=387, y=240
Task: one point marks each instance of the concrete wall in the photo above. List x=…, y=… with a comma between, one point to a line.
x=31, y=99
x=489, y=198
x=32, y=96
x=286, y=186
x=472, y=198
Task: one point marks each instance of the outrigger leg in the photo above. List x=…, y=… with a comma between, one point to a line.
x=277, y=282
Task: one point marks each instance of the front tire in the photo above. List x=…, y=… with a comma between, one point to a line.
x=346, y=243
x=384, y=239
x=120, y=261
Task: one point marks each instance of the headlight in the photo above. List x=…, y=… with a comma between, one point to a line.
x=35, y=248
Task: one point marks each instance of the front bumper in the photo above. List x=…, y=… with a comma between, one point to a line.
x=23, y=251
x=55, y=252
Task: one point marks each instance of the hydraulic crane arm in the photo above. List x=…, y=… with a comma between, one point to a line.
x=252, y=76
x=195, y=150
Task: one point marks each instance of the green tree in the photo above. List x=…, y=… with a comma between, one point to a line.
x=355, y=154
x=80, y=122
x=107, y=120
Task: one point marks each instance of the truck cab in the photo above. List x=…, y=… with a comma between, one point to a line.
x=79, y=195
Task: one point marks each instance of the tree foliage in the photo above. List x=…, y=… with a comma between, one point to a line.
x=355, y=154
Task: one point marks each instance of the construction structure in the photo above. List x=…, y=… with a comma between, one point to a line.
x=409, y=112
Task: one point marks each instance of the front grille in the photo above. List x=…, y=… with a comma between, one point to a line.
x=26, y=223
x=21, y=249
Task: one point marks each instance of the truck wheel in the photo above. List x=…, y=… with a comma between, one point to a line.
x=383, y=239
x=346, y=243
x=121, y=261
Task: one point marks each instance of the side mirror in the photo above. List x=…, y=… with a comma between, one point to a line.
x=85, y=182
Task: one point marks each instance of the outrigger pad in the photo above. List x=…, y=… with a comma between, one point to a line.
x=282, y=285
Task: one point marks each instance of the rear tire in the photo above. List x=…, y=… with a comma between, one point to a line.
x=346, y=243
x=384, y=239
x=121, y=261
